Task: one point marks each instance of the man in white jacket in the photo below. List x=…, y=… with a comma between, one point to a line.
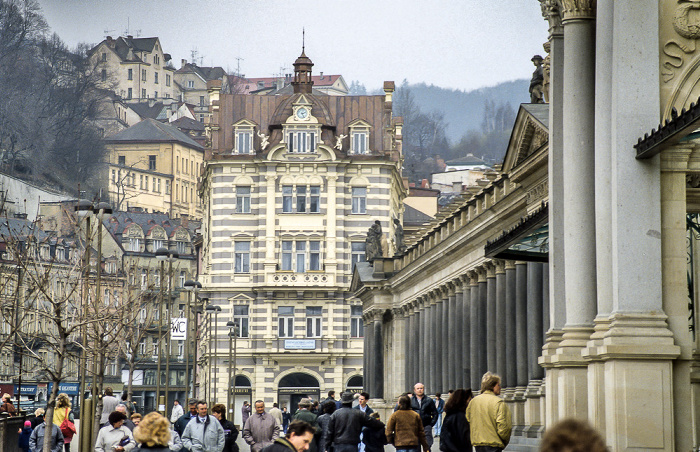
x=177, y=412
x=114, y=437
x=203, y=433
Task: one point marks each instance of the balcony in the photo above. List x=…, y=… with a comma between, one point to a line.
x=313, y=279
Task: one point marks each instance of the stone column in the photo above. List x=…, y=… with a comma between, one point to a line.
x=521, y=365
x=500, y=325
x=368, y=376
x=394, y=379
x=509, y=376
x=474, y=337
x=482, y=341
x=491, y=331
x=557, y=300
x=378, y=357
x=455, y=337
x=439, y=327
x=432, y=344
x=534, y=347
x=466, y=333
x=444, y=342
x=410, y=344
x=423, y=338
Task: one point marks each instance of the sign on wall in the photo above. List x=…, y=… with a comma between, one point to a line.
x=299, y=344
x=178, y=329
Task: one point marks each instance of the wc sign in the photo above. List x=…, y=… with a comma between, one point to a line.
x=178, y=329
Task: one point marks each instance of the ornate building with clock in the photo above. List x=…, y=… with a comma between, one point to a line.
x=291, y=185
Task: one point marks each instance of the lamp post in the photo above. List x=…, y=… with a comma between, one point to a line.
x=232, y=336
x=191, y=287
x=172, y=256
x=161, y=256
x=212, y=338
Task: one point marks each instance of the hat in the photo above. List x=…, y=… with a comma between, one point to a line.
x=347, y=398
x=536, y=57
x=27, y=424
x=305, y=402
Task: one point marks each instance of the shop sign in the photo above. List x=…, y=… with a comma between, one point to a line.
x=27, y=390
x=298, y=390
x=299, y=344
x=68, y=388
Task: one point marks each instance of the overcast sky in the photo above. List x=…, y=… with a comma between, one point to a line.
x=463, y=44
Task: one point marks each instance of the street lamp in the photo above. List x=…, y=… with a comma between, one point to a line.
x=212, y=337
x=161, y=256
x=191, y=287
x=232, y=335
x=172, y=257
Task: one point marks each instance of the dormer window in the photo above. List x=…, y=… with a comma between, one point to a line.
x=243, y=136
x=302, y=141
x=359, y=137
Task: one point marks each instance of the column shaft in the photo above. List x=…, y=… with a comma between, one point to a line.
x=424, y=346
x=501, y=323
x=509, y=377
x=534, y=320
x=466, y=331
x=521, y=324
x=474, y=336
x=369, y=350
x=444, y=345
x=491, y=332
x=378, y=385
x=455, y=342
x=483, y=329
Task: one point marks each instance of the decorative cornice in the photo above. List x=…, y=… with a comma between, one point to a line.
x=577, y=9
x=670, y=132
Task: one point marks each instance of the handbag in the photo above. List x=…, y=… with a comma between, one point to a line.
x=68, y=427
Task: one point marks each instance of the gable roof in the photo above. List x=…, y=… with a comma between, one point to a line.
x=530, y=132
x=150, y=130
x=123, y=45
x=205, y=72
x=248, y=85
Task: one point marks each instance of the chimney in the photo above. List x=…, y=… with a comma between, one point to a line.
x=184, y=220
x=151, y=102
x=321, y=73
x=129, y=37
x=457, y=187
x=183, y=62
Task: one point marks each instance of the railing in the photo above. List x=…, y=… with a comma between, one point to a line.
x=300, y=279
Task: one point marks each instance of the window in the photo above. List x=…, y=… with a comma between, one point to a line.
x=143, y=76
x=144, y=280
x=156, y=59
x=152, y=162
x=141, y=181
x=157, y=244
x=313, y=321
x=242, y=199
x=301, y=199
x=114, y=176
x=301, y=141
x=301, y=256
x=155, y=185
x=240, y=318
x=359, y=142
x=190, y=83
x=135, y=244
x=242, y=251
x=143, y=93
x=155, y=80
x=105, y=298
x=201, y=101
x=142, y=344
x=145, y=185
x=104, y=56
x=177, y=164
x=130, y=93
x=359, y=200
x=167, y=79
x=315, y=204
x=121, y=160
x=287, y=247
x=285, y=321
x=357, y=253
x=129, y=74
x=314, y=255
x=167, y=187
x=182, y=275
x=158, y=186
x=287, y=198
x=104, y=75
x=181, y=247
x=155, y=348
x=155, y=94
x=356, y=321
x=244, y=142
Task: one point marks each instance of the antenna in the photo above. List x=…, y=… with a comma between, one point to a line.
x=238, y=65
x=303, y=39
x=109, y=32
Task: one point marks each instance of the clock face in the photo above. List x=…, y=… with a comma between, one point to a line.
x=302, y=113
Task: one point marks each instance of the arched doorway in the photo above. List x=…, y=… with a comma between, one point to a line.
x=355, y=384
x=296, y=386
x=243, y=392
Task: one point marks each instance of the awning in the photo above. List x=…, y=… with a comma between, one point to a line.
x=527, y=241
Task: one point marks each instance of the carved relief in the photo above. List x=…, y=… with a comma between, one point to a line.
x=692, y=180
x=538, y=192
x=546, y=66
x=552, y=14
x=577, y=9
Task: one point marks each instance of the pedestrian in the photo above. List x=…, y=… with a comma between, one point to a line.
x=331, y=396
x=260, y=429
x=455, y=428
x=316, y=408
x=130, y=407
x=356, y=400
x=61, y=412
x=286, y=418
x=304, y=414
x=361, y=400
x=245, y=412
x=114, y=437
x=7, y=406
x=185, y=419
x=136, y=419
x=25, y=434
x=153, y=434
x=489, y=417
x=128, y=423
x=425, y=407
x=177, y=412
x=345, y=426
x=323, y=420
x=39, y=417
x=572, y=435
x=440, y=407
x=203, y=433
x=276, y=413
x=230, y=430
x=297, y=439
x=109, y=403
x=405, y=429
x=374, y=439
x=37, y=438
x=175, y=442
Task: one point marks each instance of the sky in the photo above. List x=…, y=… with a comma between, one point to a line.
x=458, y=44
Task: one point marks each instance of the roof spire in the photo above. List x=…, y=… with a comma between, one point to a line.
x=303, y=39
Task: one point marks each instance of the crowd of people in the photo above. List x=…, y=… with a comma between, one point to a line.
x=461, y=421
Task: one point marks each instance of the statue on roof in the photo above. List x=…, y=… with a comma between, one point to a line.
x=398, y=237
x=537, y=81
x=373, y=242
x=264, y=140
x=339, y=142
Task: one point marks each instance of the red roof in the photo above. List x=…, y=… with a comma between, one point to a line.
x=246, y=85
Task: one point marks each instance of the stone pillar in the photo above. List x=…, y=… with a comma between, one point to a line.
x=535, y=334
x=444, y=329
x=394, y=378
x=410, y=344
x=455, y=337
x=432, y=344
x=466, y=333
x=424, y=337
x=368, y=376
x=500, y=325
x=518, y=404
x=579, y=222
x=509, y=376
x=482, y=341
x=491, y=332
x=378, y=358
x=474, y=337
x=557, y=291
x=439, y=344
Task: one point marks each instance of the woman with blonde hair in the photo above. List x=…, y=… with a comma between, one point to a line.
x=60, y=413
x=153, y=433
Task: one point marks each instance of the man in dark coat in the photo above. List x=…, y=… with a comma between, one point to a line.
x=304, y=414
x=181, y=423
x=297, y=439
x=345, y=426
x=425, y=407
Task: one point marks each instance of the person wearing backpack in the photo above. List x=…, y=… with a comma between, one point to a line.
x=63, y=418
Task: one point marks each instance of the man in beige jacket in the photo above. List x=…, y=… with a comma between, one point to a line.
x=489, y=418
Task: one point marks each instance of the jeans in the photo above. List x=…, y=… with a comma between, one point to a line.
x=344, y=447
x=438, y=426
x=429, y=434
x=487, y=449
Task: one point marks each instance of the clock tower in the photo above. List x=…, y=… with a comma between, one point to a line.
x=302, y=74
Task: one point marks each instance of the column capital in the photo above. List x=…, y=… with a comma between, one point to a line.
x=458, y=284
x=510, y=265
x=490, y=269
x=552, y=14
x=577, y=10
x=500, y=266
x=676, y=158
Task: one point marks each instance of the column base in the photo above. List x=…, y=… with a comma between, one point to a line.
x=572, y=377
x=549, y=350
x=518, y=410
x=533, y=418
x=596, y=374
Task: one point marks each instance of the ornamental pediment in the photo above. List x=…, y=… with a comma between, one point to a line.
x=530, y=134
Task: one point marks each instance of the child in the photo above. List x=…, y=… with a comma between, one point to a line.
x=24, y=435
x=374, y=439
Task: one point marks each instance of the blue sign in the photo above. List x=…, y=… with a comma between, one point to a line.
x=299, y=344
x=26, y=389
x=68, y=388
